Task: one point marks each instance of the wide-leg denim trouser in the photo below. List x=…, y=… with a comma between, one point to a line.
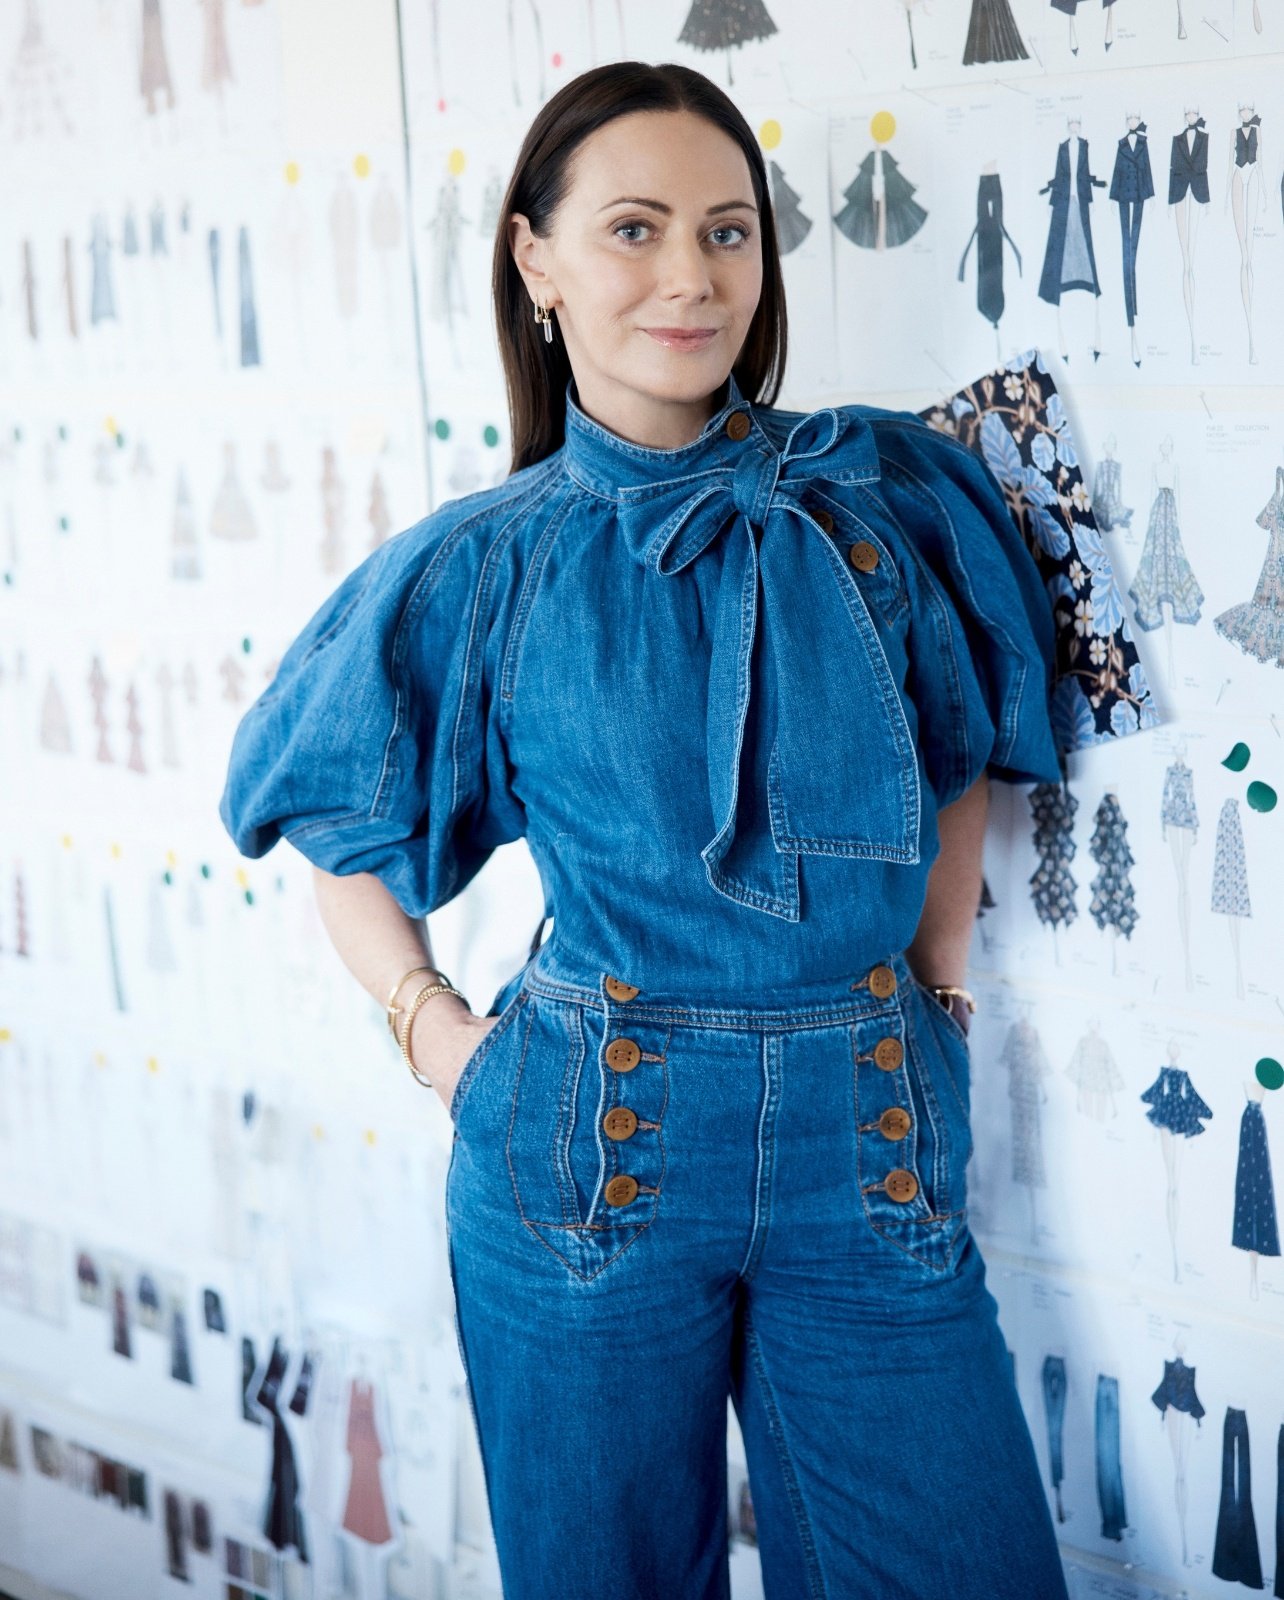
x=652, y=1205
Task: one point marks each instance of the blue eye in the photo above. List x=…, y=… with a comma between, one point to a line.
x=725, y=227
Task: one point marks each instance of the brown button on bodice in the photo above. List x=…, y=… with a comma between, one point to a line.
x=824, y=519
x=738, y=425
x=620, y=1123
x=889, y=1053
x=882, y=982
x=894, y=1122
x=621, y=1190
x=623, y=1054
x=899, y=1184
x=619, y=990
x=863, y=555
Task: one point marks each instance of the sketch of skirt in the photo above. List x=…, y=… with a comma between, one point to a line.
x=1255, y=1226
x=992, y=34
x=1230, y=873
x=1163, y=572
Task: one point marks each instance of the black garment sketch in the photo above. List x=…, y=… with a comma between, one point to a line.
x=120, y=1322
x=1178, y=1390
x=1174, y=1103
x=175, y=1537
x=717, y=24
x=1246, y=142
x=214, y=1312
x=1131, y=185
x=302, y=1389
x=992, y=34
x=1279, y=1514
x=1069, y=262
x=282, y=1518
x=858, y=220
x=1052, y=884
x=249, y=1361
x=1054, y=1405
x=1110, y=1493
x=792, y=223
x=202, y=1532
x=1235, y=1552
x=1188, y=164
x=989, y=234
x=180, y=1365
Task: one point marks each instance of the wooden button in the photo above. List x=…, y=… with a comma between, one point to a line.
x=882, y=982
x=894, y=1122
x=899, y=1184
x=619, y=990
x=889, y=1053
x=620, y=1123
x=863, y=555
x=622, y=1189
x=824, y=519
x=738, y=425
x=623, y=1054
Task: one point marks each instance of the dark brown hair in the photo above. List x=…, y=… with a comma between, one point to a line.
x=536, y=372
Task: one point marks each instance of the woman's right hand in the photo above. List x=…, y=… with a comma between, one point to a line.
x=443, y=1034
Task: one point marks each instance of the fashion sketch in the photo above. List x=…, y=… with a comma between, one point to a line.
x=102, y=302
x=1230, y=880
x=880, y=211
x=992, y=34
x=907, y=6
x=1107, y=495
x=283, y=1521
x=1179, y=825
x=1179, y=1410
x=1053, y=1379
x=1113, y=896
x=1257, y=625
x=1028, y=1070
x=989, y=234
x=1255, y=1227
x=1164, y=573
x=1187, y=192
x=1092, y=1068
x=1236, y=1557
x=1131, y=185
x=1070, y=7
x=1069, y=261
x=1177, y=1110
x=231, y=517
x=720, y=24
x=1052, y=884
x=1246, y=195
x=1110, y=1490
x=792, y=223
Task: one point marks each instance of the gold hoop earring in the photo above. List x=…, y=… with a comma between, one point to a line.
x=545, y=316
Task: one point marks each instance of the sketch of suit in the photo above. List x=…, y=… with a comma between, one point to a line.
x=989, y=234
x=1188, y=165
x=1131, y=184
x=1069, y=262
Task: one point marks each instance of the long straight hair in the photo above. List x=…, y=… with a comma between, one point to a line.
x=536, y=372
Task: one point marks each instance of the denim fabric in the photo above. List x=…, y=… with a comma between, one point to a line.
x=721, y=690
x=1054, y=1406
x=1110, y=1492
x=708, y=1209
x=1130, y=232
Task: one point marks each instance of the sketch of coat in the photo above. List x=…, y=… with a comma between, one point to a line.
x=1230, y=872
x=1174, y=1103
x=282, y=1518
x=1257, y=625
x=1069, y=262
x=879, y=174
x=989, y=234
x=1107, y=498
x=1255, y=1225
x=1188, y=164
x=102, y=304
x=992, y=34
x=1163, y=572
x=1177, y=809
x=1027, y=1063
x=792, y=224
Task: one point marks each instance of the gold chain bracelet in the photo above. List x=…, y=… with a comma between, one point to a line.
x=426, y=993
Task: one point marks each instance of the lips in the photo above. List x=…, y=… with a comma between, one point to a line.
x=682, y=338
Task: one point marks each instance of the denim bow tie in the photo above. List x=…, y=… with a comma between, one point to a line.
x=809, y=751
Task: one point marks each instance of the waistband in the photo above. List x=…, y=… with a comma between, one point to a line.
x=877, y=989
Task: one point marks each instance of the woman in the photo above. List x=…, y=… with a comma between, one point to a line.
x=738, y=675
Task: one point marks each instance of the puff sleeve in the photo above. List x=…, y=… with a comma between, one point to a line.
x=376, y=748
x=982, y=629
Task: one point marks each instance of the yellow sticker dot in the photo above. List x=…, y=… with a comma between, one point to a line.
x=882, y=125
x=100, y=1060
x=116, y=851
x=769, y=134
x=5, y=1036
x=361, y=166
x=171, y=858
x=66, y=841
x=152, y=1064
x=242, y=880
x=371, y=1136
x=318, y=1132
x=456, y=161
x=292, y=172
x=109, y=425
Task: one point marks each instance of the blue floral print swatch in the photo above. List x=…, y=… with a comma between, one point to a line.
x=1016, y=421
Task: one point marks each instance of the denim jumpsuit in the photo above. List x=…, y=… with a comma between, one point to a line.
x=716, y=1141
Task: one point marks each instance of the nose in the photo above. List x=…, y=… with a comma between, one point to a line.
x=684, y=272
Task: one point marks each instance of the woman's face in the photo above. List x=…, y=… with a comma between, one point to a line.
x=658, y=231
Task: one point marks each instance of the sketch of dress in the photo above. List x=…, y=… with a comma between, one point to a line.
x=156, y=231
x=1107, y=499
x=1052, y=885
x=1027, y=1063
x=1179, y=824
x=231, y=517
x=1235, y=1553
x=1175, y=1104
x=1257, y=625
x=1069, y=261
x=1178, y=1390
x=216, y=67
x=1092, y=1068
x=989, y=234
x=792, y=223
x=102, y=304
x=365, y=1514
x=1113, y=897
x=1230, y=873
x=879, y=180
x=282, y=1516
x=992, y=34
x=1178, y=807
x=1164, y=572
x=153, y=66
x=249, y=321
x=719, y=24
x=1255, y=1225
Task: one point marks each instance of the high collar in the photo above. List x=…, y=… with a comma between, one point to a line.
x=607, y=463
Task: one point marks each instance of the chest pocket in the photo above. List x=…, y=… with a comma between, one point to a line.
x=868, y=558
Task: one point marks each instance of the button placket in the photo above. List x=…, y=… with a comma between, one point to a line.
x=887, y=1159
x=624, y=1049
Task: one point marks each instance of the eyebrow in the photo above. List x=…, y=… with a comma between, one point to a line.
x=659, y=205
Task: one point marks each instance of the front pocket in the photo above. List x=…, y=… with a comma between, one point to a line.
x=956, y=1046
x=470, y=1068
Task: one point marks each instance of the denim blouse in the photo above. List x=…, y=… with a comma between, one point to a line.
x=721, y=690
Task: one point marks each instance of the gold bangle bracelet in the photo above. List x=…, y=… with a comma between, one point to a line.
x=394, y=1011
x=426, y=993
x=938, y=989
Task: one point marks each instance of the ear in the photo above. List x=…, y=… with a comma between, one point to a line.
x=529, y=255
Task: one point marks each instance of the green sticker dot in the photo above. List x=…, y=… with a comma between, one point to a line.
x=62, y=430
x=246, y=646
x=249, y=897
x=120, y=440
x=1237, y=760
x=63, y=524
x=1261, y=796
x=1269, y=1073
x=167, y=877
x=490, y=435
x=8, y=578
x=205, y=871
x=441, y=428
